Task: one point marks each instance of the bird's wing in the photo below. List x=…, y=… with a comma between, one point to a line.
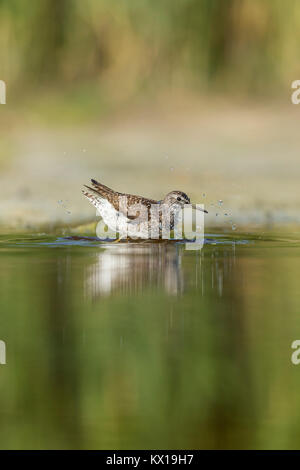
x=134, y=206
x=128, y=204
x=102, y=190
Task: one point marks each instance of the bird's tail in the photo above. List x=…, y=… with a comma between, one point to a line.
x=92, y=196
x=97, y=193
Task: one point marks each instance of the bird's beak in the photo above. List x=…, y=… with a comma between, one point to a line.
x=194, y=206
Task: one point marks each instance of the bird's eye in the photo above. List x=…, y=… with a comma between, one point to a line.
x=179, y=198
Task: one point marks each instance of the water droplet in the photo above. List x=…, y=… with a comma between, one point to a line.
x=233, y=227
x=220, y=202
x=217, y=214
x=171, y=169
x=203, y=195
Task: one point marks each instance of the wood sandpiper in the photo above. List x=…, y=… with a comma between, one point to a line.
x=136, y=216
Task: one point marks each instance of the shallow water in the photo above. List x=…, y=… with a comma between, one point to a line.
x=140, y=345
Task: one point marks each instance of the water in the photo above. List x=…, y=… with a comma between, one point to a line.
x=149, y=345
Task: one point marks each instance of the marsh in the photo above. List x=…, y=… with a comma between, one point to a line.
x=149, y=346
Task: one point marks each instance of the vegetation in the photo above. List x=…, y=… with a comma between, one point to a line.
x=244, y=45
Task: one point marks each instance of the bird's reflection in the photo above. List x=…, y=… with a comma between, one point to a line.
x=129, y=268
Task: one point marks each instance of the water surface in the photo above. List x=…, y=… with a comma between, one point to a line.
x=140, y=345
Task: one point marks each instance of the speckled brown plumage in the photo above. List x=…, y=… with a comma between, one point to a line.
x=135, y=211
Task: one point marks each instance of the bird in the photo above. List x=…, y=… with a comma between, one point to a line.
x=135, y=216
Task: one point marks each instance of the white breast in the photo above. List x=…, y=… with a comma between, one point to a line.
x=118, y=222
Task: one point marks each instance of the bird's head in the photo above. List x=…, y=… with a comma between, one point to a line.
x=177, y=199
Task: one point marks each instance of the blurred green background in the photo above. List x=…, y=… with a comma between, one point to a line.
x=116, y=50
x=149, y=96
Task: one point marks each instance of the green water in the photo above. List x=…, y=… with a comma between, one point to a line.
x=149, y=345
